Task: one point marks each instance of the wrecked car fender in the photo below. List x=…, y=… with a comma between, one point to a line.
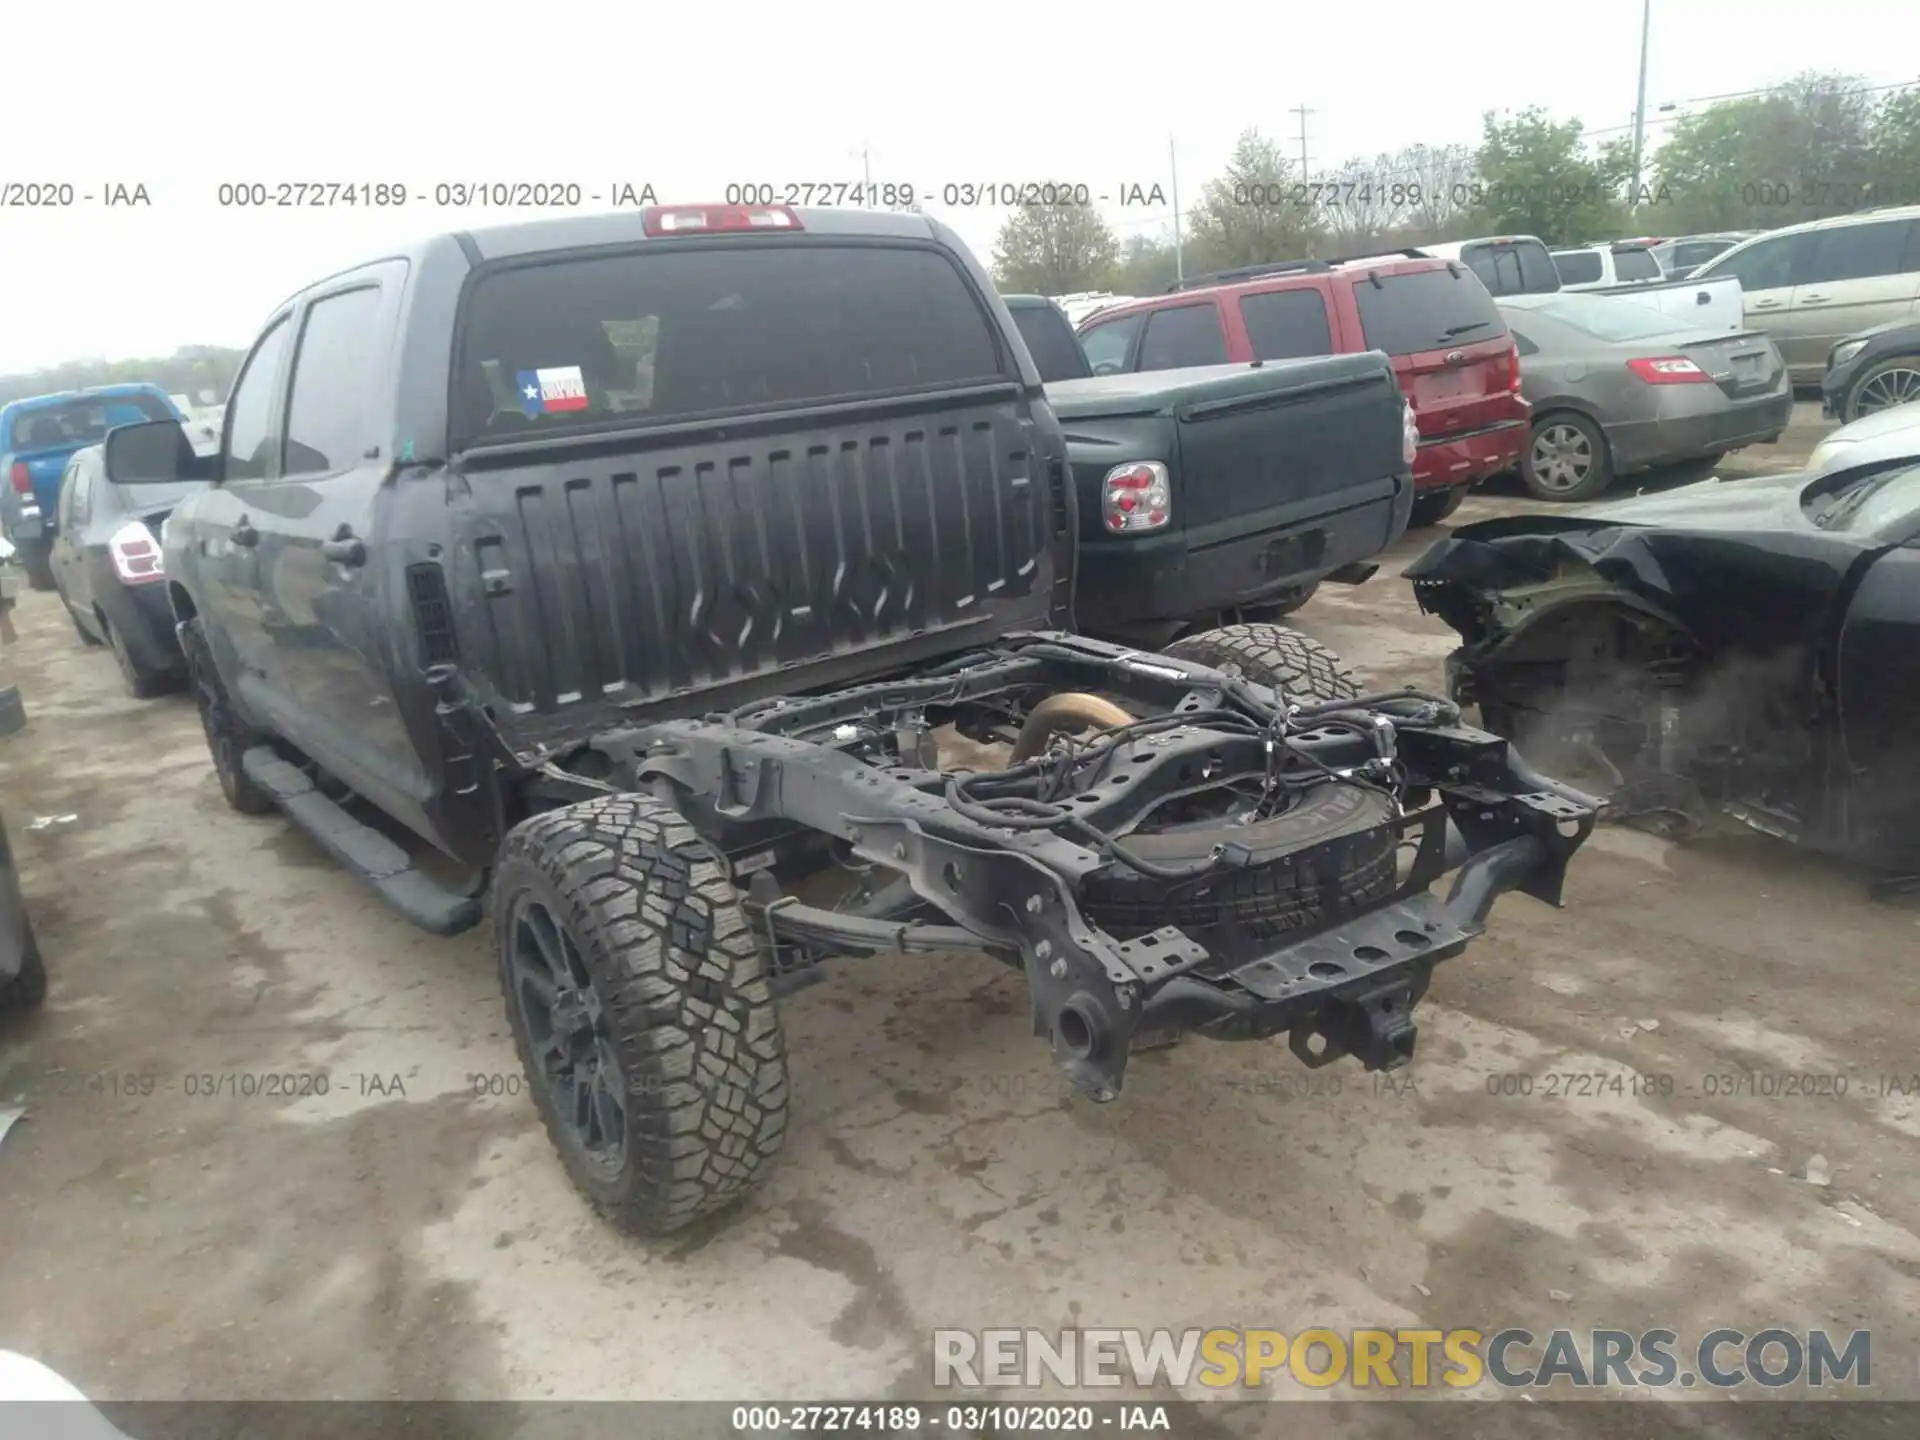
x=1746, y=576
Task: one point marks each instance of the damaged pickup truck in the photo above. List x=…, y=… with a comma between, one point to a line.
x=1752, y=646
x=640, y=576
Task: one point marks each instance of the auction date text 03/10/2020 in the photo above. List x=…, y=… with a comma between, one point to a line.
x=1392, y=195
x=563, y=194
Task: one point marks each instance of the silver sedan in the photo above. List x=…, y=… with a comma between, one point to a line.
x=1889, y=434
x=1618, y=387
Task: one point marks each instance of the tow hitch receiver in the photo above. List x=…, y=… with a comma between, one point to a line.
x=1375, y=1027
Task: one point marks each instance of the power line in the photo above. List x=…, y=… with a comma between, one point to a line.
x=1660, y=119
x=1303, y=112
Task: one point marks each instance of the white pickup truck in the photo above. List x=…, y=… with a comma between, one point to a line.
x=1522, y=265
x=1596, y=267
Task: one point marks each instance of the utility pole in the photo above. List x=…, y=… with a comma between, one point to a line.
x=1173, y=170
x=1640, y=104
x=1302, y=111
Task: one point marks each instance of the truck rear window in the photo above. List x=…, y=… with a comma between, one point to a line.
x=1577, y=267
x=1636, y=264
x=1426, y=310
x=672, y=332
x=1513, y=267
x=1050, y=340
x=82, y=422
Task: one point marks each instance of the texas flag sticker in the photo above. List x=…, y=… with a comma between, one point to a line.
x=552, y=392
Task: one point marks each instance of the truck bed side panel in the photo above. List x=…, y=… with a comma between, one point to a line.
x=1712, y=303
x=688, y=572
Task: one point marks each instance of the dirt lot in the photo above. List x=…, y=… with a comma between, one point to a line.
x=409, y=1233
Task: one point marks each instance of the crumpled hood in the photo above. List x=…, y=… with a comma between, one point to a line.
x=1734, y=507
x=1738, y=563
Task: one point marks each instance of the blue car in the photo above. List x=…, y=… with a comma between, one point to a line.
x=38, y=436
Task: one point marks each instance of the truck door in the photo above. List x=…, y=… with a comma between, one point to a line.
x=68, y=555
x=326, y=677
x=1880, y=702
x=219, y=561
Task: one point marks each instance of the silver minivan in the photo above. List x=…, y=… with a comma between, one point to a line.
x=1809, y=285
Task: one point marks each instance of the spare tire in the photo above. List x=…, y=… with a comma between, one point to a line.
x=1273, y=894
x=1307, y=671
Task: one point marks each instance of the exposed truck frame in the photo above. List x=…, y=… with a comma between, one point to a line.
x=657, y=687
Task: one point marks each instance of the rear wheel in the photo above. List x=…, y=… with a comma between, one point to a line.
x=227, y=737
x=37, y=560
x=1430, y=507
x=639, y=1004
x=28, y=988
x=1894, y=381
x=87, y=637
x=1567, y=459
x=141, y=683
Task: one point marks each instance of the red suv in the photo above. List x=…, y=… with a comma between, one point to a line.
x=1457, y=364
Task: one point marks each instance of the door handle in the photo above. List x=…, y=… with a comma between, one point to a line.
x=244, y=534
x=344, y=548
x=1766, y=304
x=1813, y=299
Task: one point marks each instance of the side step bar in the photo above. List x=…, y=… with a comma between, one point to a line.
x=427, y=902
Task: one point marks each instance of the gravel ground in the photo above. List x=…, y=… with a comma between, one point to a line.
x=409, y=1233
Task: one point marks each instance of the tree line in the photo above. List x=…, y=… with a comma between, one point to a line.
x=1818, y=145
x=189, y=371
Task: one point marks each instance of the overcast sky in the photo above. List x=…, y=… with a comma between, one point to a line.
x=690, y=98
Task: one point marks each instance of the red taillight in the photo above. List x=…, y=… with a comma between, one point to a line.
x=1669, y=370
x=1136, y=497
x=709, y=219
x=1513, y=369
x=22, y=481
x=136, y=554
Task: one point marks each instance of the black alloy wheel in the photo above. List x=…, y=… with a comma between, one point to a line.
x=571, y=1038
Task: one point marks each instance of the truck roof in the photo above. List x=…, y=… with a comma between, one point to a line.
x=1153, y=392
x=628, y=227
x=90, y=392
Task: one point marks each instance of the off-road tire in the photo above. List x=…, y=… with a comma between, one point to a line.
x=227, y=737
x=1271, y=899
x=1432, y=506
x=682, y=985
x=37, y=561
x=140, y=683
x=28, y=988
x=1300, y=666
